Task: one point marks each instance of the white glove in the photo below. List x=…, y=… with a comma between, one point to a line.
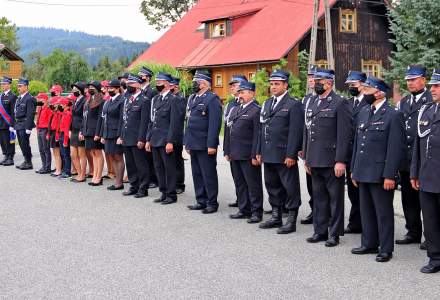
x=11, y=129
x=28, y=132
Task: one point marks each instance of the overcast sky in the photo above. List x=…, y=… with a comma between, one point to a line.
x=104, y=17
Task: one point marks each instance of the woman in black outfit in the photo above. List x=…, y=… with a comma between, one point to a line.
x=91, y=130
x=77, y=146
x=111, y=119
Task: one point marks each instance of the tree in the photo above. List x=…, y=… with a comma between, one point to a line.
x=415, y=25
x=163, y=13
x=8, y=34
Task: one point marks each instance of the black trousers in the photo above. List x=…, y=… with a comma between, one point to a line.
x=248, y=186
x=165, y=166
x=205, y=178
x=137, y=167
x=44, y=148
x=180, y=167
x=8, y=149
x=377, y=216
x=354, y=220
x=23, y=141
x=310, y=189
x=431, y=220
x=328, y=202
x=411, y=206
x=151, y=171
x=282, y=185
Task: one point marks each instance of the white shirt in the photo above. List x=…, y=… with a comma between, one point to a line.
x=116, y=96
x=378, y=106
x=279, y=98
x=358, y=98
x=243, y=106
x=165, y=94
x=136, y=95
x=417, y=97
x=6, y=92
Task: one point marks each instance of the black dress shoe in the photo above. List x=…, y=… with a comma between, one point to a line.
x=168, y=201
x=233, y=204
x=95, y=184
x=255, y=219
x=316, y=238
x=384, y=257
x=308, y=220
x=364, y=250
x=240, y=215
x=428, y=269
x=332, y=241
x=423, y=246
x=115, y=188
x=290, y=225
x=209, y=210
x=39, y=171
x=153, y=185
x=196, y=206
x=408, y=240
x=8, y=162
x=130, y=192
x=350, y=230
x=141, y=194
x=25, y=166
x=45, y=172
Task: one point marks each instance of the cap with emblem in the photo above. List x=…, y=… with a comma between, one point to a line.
x=114, y=83
x=377, y=84
x=175, y=81
x=356, y=76
x=163, y=76
x=23, y=81
x=133, y=79
x=79, y=85
x=238, y=79
x=7, y=80
x=312, y=70
x=324, y=74
x=415, y=71
x=245, y=85
x=279, y=75
x=144, y=71
x=435, y=78
x=96, y=84
x=125, y=76
x=202, y=75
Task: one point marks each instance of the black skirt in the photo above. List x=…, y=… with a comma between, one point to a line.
x=91, y=144
x=112, y=148
x=74, y=140
x=52, y=142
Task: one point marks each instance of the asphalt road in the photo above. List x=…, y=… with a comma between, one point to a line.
x=60, y=240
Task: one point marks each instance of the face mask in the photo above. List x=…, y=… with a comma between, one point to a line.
x=76, y=94
x=53, y=94
x=369, y=99
x=92, y=92
x=160, y=88
x=196, y=87
x=131, y=89
x=144, y=80
x=40, y=103
x=112, y=93
x=173, y=91
x=69, y=104
x=52, y=107
x=60, y=109
x=319, y=88
x=124, y=85
x=354, y=91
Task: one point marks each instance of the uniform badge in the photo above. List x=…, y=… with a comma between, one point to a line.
x=423, y=123
x=203, y=113
x=362, y=126
x=284, y=109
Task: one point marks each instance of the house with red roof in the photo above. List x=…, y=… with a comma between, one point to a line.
x=242, y=36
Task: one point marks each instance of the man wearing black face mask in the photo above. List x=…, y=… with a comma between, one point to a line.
x=377, y=156
x=410, y=106
x=355, y=88
x=146, y=74
x=328, y=137
x=123, y=80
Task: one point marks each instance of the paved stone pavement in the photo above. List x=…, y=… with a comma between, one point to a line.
x=60, y=240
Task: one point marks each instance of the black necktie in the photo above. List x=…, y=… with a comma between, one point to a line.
x=372, y=111
x=275, y=100
x=240, y=108
x=356, y=103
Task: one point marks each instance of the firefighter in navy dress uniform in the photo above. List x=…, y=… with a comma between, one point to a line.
x=377, y=155
x=282, y=121
x=202, y=140
x=327, y=151
x=240, y=149
x=425, y=172
x=7, y=135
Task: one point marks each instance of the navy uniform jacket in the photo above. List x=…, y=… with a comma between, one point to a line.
x=78, y=114
x=166, y=124
x=355, y=113
x=112, y=117
x=226, y=114
x=425, y=163
x=149, y=92
x=135, y=120
x=410, y=115
x=379, y=145
x=25, y=112
x=8, y=102
x=243, y=132
x=204, y=121
x=329, y=132
x=281, y=130
x=92, y=120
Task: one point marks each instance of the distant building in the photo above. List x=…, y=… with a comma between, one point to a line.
x=237, y=36
x=12, y=65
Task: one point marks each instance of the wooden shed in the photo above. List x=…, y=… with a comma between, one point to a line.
x=11, y=64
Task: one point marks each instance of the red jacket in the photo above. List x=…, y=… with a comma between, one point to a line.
x=54, y=124
x=66, y=120
x=43, y=119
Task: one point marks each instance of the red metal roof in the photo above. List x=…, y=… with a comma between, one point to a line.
x=266, y=31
